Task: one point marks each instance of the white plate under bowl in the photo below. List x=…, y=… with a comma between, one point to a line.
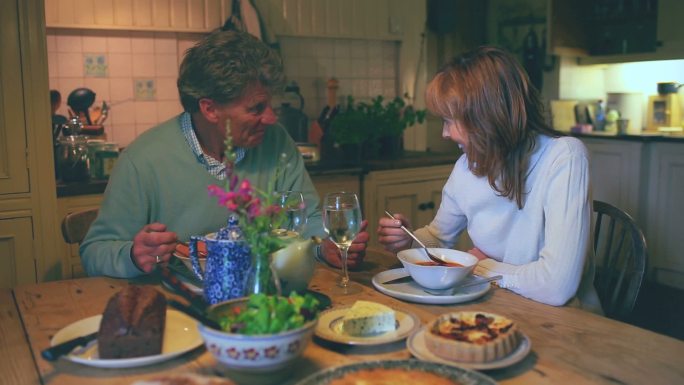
x=330, y=328
x=180, y=336
x=416, y=345
x=411, y=291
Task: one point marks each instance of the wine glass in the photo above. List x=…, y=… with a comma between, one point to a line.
x=295, y=210
x=342, y=221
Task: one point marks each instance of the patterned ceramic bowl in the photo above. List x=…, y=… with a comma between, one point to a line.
x=255, y=353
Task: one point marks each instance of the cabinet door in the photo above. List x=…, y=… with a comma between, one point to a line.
x=615, y=171
x=665, y=212
x=670, y=32
x=417, y=201
x=415, y=192
x=331, y=183
x=14, y=176
x=367, y=19
x=156, y=15
x=16, y=252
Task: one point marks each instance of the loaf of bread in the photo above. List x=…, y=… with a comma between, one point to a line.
x=133, y=323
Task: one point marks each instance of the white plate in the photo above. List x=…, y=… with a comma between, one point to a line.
x=416, y=345
x=180, y=336
x=411, y=291
x=330, y=328
x=455, y=374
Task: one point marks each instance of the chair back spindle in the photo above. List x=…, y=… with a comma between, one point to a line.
x=620, y=249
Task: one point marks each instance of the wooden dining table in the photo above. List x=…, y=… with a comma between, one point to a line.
x=568, y=345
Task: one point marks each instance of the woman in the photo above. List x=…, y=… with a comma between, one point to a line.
x=520, y=189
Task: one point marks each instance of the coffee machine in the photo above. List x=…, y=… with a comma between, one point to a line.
x=664, y=109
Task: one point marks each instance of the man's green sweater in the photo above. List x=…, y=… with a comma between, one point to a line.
x=158, y=179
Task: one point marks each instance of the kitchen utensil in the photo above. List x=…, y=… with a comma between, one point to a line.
x=293, y=118
x=407, y=231
x=80, y=101
x=630, y=106
x=665, y=88
x=53, y=353
x=452, y=290
x=196, y=301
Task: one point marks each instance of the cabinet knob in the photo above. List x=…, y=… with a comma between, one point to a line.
x=426, y=206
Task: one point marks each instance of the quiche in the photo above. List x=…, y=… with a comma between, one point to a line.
x=472, y=337
x=391, y=376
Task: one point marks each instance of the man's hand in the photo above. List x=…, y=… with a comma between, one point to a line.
x=152, y=245
x=331, y=253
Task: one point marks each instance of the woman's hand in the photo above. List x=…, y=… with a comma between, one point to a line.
x=477, y=253
x=152, y=245
x=332, y=254
x=391, y=235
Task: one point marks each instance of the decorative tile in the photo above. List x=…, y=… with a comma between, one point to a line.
x=95, y=65
x=144, y=89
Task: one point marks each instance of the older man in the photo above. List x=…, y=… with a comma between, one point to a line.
x=157, y=193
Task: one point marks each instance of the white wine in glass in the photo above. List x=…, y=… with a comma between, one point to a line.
x=342, y=221
x=295, y=210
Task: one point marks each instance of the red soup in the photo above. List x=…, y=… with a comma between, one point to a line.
x=431, y=263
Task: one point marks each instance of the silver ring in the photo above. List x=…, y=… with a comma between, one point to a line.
x=158, y=259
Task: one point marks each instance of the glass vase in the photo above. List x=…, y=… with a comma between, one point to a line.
x=262, y=278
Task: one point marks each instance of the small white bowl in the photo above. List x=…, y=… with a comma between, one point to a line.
x=254, y=353
x=437, y=277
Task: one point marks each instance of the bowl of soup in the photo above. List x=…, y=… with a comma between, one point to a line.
x=432, y=275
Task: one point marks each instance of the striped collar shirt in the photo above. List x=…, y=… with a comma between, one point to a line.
x=213, y=166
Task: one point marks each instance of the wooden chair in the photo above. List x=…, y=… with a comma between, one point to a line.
x=620, y=249
x=75, y=225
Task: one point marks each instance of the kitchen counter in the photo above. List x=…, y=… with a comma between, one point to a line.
x=643, y=137
x=411, y=159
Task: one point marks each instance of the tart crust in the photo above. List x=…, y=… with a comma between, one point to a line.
x=473, y=337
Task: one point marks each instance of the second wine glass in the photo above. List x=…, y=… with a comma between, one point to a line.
x=295, y=210
x=342, y=221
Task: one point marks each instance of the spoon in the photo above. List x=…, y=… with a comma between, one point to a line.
x=438, y=260
x=452, y=290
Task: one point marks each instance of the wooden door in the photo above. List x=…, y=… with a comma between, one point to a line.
x=14, y=176
x=16, y=252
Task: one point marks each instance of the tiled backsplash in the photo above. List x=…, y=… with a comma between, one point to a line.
x=136, y=72
x=364, y=69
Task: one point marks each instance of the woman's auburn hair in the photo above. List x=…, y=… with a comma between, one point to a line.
x=490, y=95
x=224, y=64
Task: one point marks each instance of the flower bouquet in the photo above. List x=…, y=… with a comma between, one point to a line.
x=254, y=214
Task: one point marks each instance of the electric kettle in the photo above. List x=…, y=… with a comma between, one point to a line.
x=293, y=118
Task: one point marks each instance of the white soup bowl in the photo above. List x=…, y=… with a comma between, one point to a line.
x=437, y=277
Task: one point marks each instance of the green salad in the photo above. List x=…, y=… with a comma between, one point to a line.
x=266, y=314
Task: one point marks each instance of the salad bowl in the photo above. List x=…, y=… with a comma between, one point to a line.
x=261, y=352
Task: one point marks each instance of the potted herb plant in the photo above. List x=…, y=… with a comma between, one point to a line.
x=375, y=127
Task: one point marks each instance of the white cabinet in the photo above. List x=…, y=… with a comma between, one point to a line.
x=339, y=182
x=16, y=253
x=645, y=179
x=616, y=175
x=155, y=15
x=27, y=182
x=368, y=19
x=414, y=192
x=569, y=36
x=665, y=213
